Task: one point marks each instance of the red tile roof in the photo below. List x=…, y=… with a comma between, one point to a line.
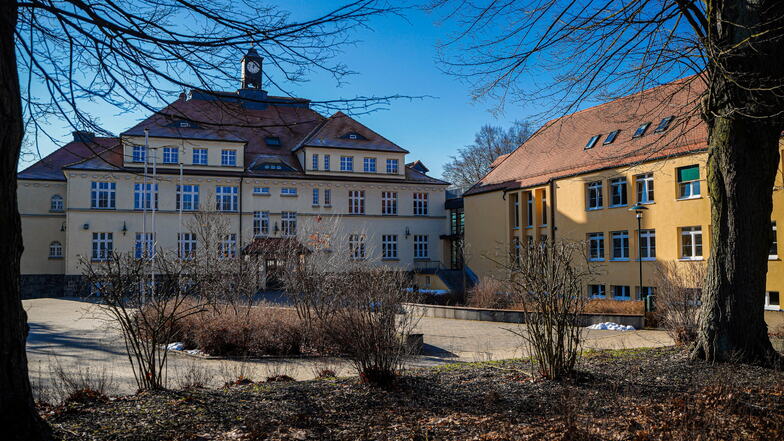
x=558, y=150
x=334, y=132
x=50, y=168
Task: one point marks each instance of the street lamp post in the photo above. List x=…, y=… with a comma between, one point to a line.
x=638, y=209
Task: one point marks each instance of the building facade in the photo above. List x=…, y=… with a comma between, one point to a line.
x=579, y=176
x=269, y=163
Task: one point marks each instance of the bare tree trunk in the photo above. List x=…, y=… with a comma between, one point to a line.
x=18, y=415
x=743, y=112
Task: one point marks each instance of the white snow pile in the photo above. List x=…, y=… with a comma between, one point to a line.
x=177, y=346
x=610, y=326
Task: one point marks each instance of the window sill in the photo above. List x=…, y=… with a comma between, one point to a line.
x=57, y=211
x=773, y=258
x=619, y=206
x=315, y=205
x=594, y=208
x=689, y=198
x=389, y=214
x=691, y=259
x=647, y=203
x=327, y=206
x=390, y=259
x=598, y=297
x=596, y=260
x=421, y=259
x=646, y=259
x=622, y=299
x=620, y=259
x=289, y=195
x=55, y=257
x=772, y=308
x=262, y=194
x=103, y=209
x=529, y=227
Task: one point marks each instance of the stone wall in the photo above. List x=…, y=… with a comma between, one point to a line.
x=35, y=286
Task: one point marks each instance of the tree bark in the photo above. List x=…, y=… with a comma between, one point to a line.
x=742, y=109
x=18, y=416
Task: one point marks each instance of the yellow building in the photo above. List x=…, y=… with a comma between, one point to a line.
x=267, y=162
x=578, y=177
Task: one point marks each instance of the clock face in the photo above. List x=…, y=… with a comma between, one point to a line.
x=253, y=67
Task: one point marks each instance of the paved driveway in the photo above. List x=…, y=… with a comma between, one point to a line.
x=76, y=336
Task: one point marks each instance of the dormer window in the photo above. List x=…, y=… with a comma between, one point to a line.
x=611, y=137
x=354, y=136
x=184, y=124
x=664, y=124
x=272, y=141
x=641, y=130
x=592, y=141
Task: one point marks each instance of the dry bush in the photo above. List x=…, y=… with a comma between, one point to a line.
x=489, y=293
x=80, y=384
x=194, y=375
x=677, y=299
x=609, y=306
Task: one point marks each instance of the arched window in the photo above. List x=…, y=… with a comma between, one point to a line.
x=57, y=203
x=55, y=249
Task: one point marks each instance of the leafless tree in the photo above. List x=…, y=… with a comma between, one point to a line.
x=472, y=162
x=677, y=299
x=566, y=53
x=132, y=56
x=547, y=281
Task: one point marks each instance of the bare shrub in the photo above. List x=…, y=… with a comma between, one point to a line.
x=489, y=293
x=80, y=383
x=194, y=375
x=548, y=281
x=609, y=306
x=677, y=299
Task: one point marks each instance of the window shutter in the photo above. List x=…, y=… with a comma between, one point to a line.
x=690, y=173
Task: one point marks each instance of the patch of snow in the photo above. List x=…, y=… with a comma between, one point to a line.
x=610, y=326
x=177, y=346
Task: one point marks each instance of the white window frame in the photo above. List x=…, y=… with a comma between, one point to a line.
x=356, y=246
x=288, y=223
x=619, y=188
x=288, y=191
x=421, y=246
x=647, y=245
x=262, y=191
x=314, y=161
x=261, y=223
x=103, y=245
x=596, y=243
x=392, y=166
x=623, y=237
x=171, y=155
x=601, y=291
x=186, y=245
x=228, y=246
x=226, y=198
x=389, y=246
x=768, y=305
x=138, y=153
x=389, y=203
x=594, y=197
x=200, y=156
x=688, y=189
x=327, y=197
x=315, y=201
x=774, y=242
x=228, y=158
x=103, y=195
x=356, y=202
x=326, y=162
x=644, y=188
x=145, y=198
x=625, y=291
x=346, y=163
x=692, y=233
x=56, y=203
x=144, y=245
x=369, y=165
x=188, y=196
x=421, y=204
x=55, y=249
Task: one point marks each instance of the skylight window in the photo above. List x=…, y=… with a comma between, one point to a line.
x=272, y=141
x=664, y=124
x=592, y=141
x=611, y=137
x=354, y=136
x=641, y=130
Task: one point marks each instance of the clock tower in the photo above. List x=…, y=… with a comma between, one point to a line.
x=251, y=70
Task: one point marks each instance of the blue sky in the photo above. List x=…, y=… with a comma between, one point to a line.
x=398, y=56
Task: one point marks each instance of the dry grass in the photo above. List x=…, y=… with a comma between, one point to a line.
x=607, y=306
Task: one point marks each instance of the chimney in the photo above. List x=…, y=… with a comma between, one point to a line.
x=83, y=136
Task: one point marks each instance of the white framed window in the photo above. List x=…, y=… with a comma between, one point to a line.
x=314, y=161
x=347, y=163
x=773, y=252
x=421, y=249
x=644, y=185
x=530, y=209
x=263, y=191
x=186, y=245
x=103, y=244
x=648, y=244
x=228, y=246
x=144, y=246
x=356, y=245
x=55, y=250
x=261, y=223
x=229, y=158
x=621, y=292
x=691, y=243
x=516, y=209
x=596, y=291
x=102, y=195
x=188, y=197
x=689, y=182
x=544, y=209
x=56, y=203
x=139, y=153
x=618, y=192
x=647, y=291
x=595, y=199
x=420, y=204
x=369, y=165
x=326, y=162
x=620, y=243
x=288, y=191
x=389, y=246
x=200, y=156
x=356, y=202
x=772, y=300
x=389, y=203
x=596, y=246
x=327, y=197
x=171, y=155
x=288, y=223
x=392, y=166
x=315, y=197
x=226, y=198
x=145, y=196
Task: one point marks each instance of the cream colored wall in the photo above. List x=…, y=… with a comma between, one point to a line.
x=486, y=227
x=185, y=147
x=435, y=282
x=373, y=224
x=359, y=155
x=40, y=226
